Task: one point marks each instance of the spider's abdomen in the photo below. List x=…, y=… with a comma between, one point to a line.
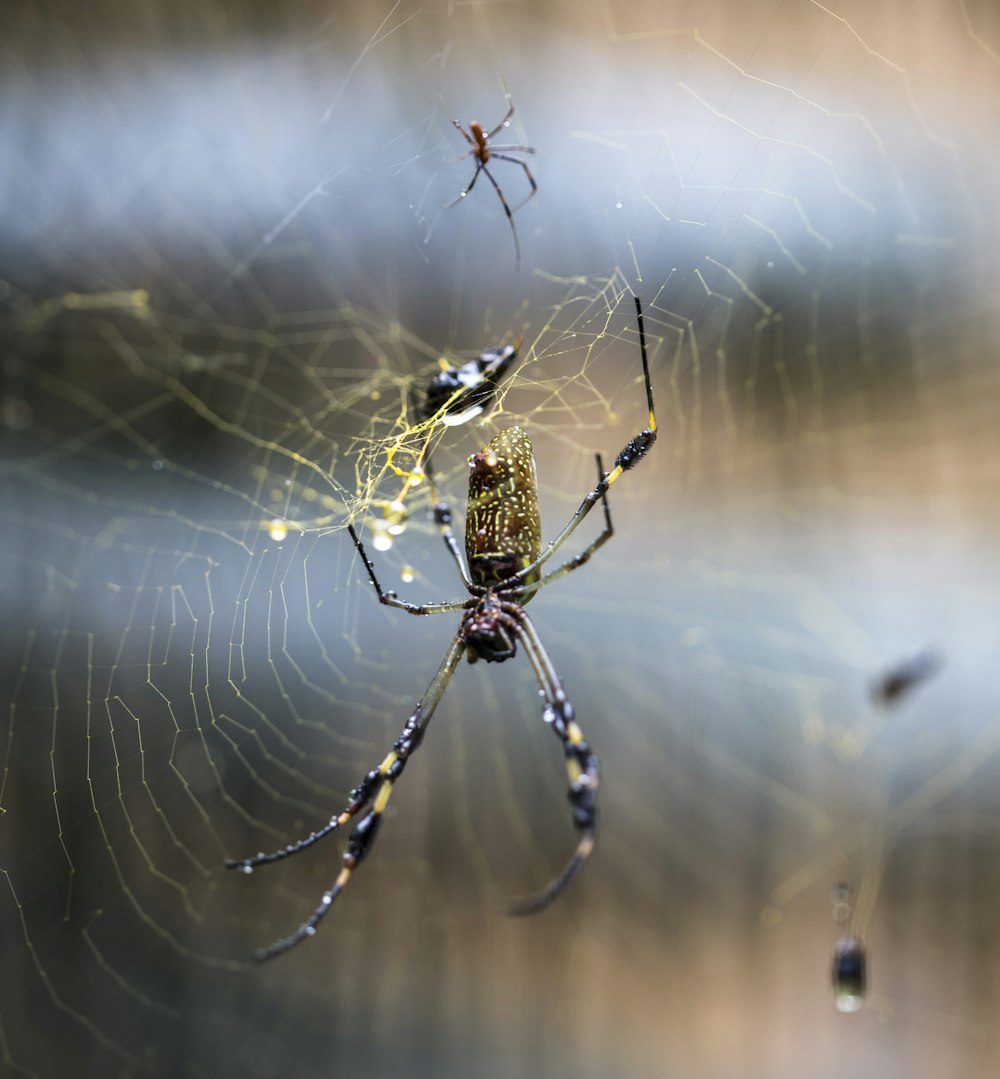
x=503, y=530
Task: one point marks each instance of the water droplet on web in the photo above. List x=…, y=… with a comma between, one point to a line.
x=396, y=515
x=277, y=529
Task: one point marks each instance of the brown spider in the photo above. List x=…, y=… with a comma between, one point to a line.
x=482, y=151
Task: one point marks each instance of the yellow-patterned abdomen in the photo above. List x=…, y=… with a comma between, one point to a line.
x=503, y=529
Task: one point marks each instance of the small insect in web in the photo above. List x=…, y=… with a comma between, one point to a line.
x=461, y=394
x=904, y=676
x=849, y=974
x=484, y=151
x=502, y=571
x=456, y=395
x=453, y=396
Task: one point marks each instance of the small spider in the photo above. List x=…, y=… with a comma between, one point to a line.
x=502, y=570
x=482, y=151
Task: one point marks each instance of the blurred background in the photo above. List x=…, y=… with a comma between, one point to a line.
x=224, y=264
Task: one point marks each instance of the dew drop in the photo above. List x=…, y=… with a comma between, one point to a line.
x=277, y=529
x=395, y=518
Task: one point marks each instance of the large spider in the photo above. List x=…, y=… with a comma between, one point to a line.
x=482, y=151
x=501, y=571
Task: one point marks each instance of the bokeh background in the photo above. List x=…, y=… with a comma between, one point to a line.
x=223, y=264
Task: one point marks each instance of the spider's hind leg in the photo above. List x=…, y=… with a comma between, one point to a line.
x=472, y=183
x=510, y=215
x=582, y=768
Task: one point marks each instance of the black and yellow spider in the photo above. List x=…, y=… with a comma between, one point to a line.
x=502, y=571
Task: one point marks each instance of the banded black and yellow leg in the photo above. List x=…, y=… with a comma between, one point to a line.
x=376, y=789
x=582, y=769
x=630, y=455
x=585, y=555
x=357, y=800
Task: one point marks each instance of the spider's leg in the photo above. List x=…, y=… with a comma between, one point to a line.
x=378, y=786
x=441, y=511
x=413, y=404
x=416, y=410
x=527, y=172
x=630, y=455
x=503, y=123
x=510, y=217
x=581, y=767
x=359, y=797
x=442, y=518
x=390, y=599
x=456, y=201
x=583, y=557
x=465, y=135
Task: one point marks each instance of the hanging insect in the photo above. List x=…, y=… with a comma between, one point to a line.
x=502, y=571
x=453, y=396
x=903, y=677
x=460, y=394
x=849, y=974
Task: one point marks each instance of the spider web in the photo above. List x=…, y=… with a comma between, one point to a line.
x=225, y=265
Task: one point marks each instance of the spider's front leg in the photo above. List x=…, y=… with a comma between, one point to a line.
x=630, y=455
x=637, y=448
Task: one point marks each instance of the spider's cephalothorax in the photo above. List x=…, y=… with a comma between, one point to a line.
x=502, y=570
x=488, y=631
